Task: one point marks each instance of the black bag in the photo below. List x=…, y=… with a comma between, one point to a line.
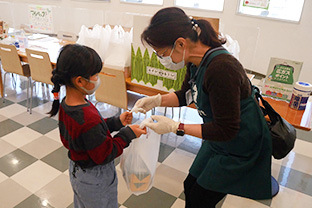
x=283, y=134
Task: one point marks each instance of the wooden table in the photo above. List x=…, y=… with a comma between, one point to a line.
x=299, y=119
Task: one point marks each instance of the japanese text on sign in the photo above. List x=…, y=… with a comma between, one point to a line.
x=161, y=73
x=40, y=18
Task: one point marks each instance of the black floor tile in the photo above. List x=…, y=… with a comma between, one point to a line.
x=8, y=126
x=155, y=198
x=58, y=159
x=15, y=162
x=44, y=125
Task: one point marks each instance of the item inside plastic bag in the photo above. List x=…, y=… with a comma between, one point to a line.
x=138, y=162
x=232, y=46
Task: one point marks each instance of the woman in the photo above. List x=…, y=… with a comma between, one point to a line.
x=235, y=157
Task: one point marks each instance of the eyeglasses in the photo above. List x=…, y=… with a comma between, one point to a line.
x=160, y=55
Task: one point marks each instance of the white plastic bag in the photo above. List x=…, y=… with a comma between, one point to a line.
x=138, y=162
x=232, y=46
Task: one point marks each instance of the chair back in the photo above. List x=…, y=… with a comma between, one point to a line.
x=40, y=66
x=10, y=60
x=113, y=89
x=67, y=36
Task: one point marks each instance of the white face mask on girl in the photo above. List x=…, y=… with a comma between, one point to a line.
x=168, y=63
x=96, y=85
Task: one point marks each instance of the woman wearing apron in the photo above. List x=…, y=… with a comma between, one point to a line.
x=235, y=157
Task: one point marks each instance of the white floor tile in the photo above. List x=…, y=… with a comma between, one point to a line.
x=275, y=170
x=26, y=118
x=298, y=162
x=169, y=180
x=35, y=176
x=58, y=192
x=41, y=147
x=21, y=136
x=44, y=108
x=288, y=198
x=11, y=193
x=180, y=160
x=55, y=135
x=12, y=110
x=179, y=203
x=6, y=148
x=232, y=201
x=2, y=118
x=303, y=148
x=3, y=177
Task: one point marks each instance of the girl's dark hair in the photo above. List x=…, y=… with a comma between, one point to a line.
x=74, y=60
x=171, y=23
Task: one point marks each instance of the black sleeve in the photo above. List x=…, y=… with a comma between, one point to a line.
x=222, y=83
x=114, y=123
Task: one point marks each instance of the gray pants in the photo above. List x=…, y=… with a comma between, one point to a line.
x=94, y=187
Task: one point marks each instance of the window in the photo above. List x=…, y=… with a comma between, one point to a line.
x=289, y=10
x=215, y=5
x=157, y=2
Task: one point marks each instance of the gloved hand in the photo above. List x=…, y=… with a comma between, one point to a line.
x=147, y=103
x=164, y=125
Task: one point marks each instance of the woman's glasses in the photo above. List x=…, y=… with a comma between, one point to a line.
x=161, y=56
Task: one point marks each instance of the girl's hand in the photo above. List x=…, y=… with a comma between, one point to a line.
x=137, y=130
x=126, y=118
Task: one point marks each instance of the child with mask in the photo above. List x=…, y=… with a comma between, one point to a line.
x=83, y=131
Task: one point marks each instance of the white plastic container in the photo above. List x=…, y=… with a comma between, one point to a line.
x=300, y=95
x=23, y=42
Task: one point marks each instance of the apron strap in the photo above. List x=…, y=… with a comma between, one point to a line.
x=211, y=54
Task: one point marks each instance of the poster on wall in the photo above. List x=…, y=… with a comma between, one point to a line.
x=281, y=76
x=146, y=68
x=263, y=4
x=41, y=18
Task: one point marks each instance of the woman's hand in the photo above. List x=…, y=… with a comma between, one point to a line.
x=137, y=130
x=164, y=125
x=147, y=103
x=126, y=118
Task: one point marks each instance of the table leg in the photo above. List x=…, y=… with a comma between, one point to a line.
x=1, y=85
x=275, y=186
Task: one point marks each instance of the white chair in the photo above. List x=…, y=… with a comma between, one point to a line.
x=11, y=63
x=67, y=36
x=40, y=68
x=113, y=89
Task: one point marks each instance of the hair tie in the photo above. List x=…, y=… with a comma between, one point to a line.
x=195, y=25
x=56, y=95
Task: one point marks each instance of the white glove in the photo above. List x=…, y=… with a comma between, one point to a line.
x=147, y=103
x=164, y=125
x=145, y=121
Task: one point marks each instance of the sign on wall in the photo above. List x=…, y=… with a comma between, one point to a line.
x=281, y=76
x=41, y=18
x=263, y=4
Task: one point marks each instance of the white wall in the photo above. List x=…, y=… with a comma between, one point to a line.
x=259, y=38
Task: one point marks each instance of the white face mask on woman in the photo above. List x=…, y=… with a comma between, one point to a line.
x=168, y=63
x=96, y=85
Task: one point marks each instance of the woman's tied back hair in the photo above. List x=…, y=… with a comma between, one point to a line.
x=171, y=23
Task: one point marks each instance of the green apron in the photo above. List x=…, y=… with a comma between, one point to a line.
x=241, y=166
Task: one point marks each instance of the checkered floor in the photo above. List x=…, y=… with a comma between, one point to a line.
x=34, y=164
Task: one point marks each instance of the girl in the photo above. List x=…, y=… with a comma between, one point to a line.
x=83, y=131
x=235, y=156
